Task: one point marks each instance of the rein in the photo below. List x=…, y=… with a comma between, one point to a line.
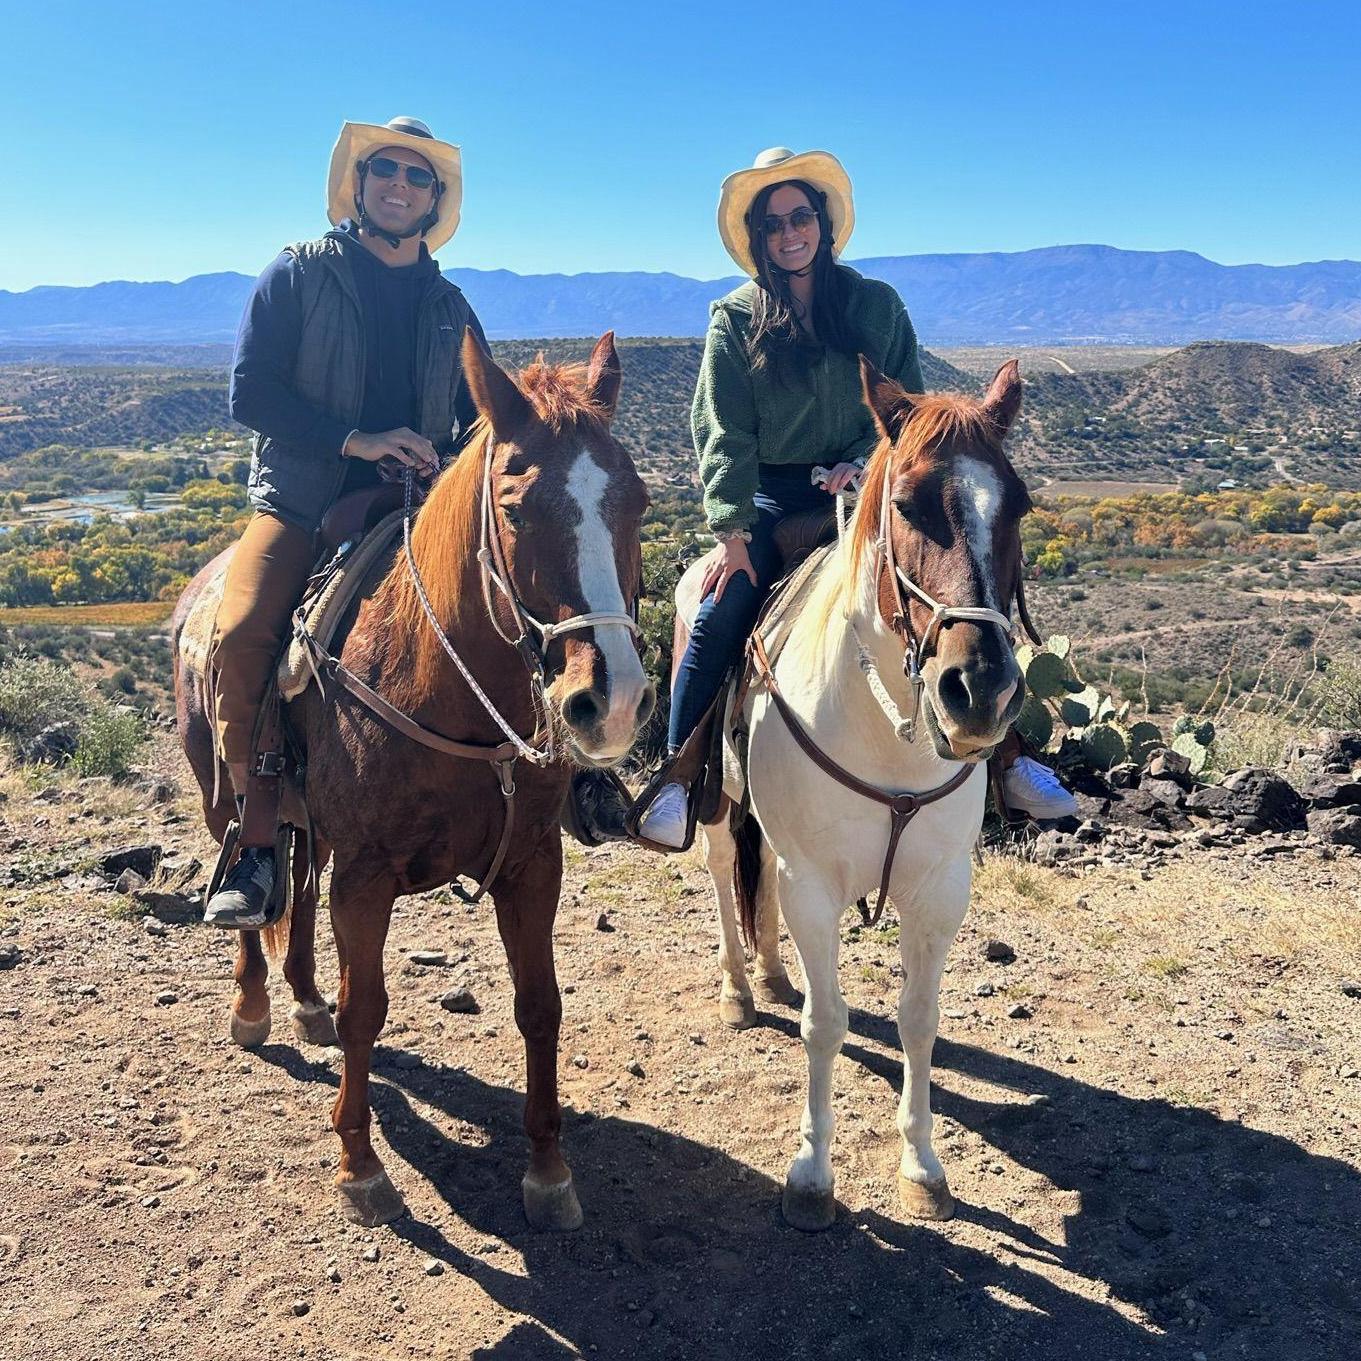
x=903, y=807
x=539, y=750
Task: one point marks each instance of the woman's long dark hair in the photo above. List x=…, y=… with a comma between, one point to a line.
x=776, y=339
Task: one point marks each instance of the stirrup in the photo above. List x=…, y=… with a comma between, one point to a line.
x=280, y=902
x=632, y=823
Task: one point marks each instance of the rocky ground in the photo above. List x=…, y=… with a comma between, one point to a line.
x=1146, y=1081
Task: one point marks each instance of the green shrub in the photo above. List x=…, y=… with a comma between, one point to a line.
x=35, y=693
x=1340, y=693
x=109, y=739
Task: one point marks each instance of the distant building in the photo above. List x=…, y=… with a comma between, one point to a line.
x=1228, y=484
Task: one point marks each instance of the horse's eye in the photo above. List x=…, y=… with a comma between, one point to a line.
x=513, y=517
x=908, y=510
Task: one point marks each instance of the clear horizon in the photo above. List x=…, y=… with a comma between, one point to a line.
x=166, y=143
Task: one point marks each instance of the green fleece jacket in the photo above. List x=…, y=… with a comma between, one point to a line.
x=741, y=419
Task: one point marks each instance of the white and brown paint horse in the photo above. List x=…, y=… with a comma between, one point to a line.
x=532, y=534
x=937, y=521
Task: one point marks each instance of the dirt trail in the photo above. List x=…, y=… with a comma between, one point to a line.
x=1162, y=1159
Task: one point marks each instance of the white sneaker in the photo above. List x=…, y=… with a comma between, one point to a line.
x=665, y=820
x=1033, y=788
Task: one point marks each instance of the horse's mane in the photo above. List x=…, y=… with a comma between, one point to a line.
x=445, y=535
x=939, y=420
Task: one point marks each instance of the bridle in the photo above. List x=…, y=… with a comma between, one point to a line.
x=491, y=556
x=902, y=807
x=917, y=651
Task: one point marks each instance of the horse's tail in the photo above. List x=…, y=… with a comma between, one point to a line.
x=746, y=871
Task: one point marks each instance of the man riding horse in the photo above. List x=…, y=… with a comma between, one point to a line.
x=348, y=367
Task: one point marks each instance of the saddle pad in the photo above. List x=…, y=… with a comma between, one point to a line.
x=324, y=609
x=196, y=637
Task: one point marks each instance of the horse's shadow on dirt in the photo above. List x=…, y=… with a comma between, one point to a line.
x=1231, y=1242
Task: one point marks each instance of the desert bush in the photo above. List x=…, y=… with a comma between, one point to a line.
x=36, y=693
x=109, y=739
x=1339, y=703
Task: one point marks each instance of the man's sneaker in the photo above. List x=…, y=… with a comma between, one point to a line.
x=1034, y=789
x=243, y=901
x=666, y=819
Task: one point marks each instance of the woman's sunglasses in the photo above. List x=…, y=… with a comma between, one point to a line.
x=800, y=219
x=418, y=178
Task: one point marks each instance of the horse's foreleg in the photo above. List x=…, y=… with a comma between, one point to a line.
x=310, y=1017
x=926, y=933
x=250, y=1007
x=735, y=1005
x=360, y=915
x=772, y=982
x=809, y=1201
x=526, y=905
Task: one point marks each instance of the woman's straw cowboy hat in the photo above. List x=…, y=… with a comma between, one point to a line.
x=358, y=141
x=819, y=168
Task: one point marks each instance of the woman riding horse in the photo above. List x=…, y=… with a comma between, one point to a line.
x=779, y=394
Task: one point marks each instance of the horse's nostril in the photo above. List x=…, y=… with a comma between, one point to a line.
x=954, y=690
x=647, y=704
x=584, y=709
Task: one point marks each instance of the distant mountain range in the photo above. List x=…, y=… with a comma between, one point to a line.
x=1054, y=296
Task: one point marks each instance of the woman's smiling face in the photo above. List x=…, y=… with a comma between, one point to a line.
x=790, y=246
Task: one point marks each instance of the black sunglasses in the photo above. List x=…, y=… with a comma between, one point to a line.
x=800, y=219
x=386, y=169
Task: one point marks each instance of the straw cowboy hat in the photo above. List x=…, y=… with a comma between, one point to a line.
x=819, y=168
x=358, y=141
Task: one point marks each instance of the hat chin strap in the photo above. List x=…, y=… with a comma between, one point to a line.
x=394, y=239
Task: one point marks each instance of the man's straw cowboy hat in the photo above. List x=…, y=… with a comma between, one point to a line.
x=819, y=168
x=358, y=141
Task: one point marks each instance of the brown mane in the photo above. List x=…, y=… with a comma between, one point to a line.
x=939, y=420
x=445, y=536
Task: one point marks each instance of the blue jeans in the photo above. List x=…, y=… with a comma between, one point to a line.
x=723, y=626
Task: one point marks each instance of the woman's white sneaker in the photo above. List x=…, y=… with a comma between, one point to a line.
x=665, y=820
x=1034, y=789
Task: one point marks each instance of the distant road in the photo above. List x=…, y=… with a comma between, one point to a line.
x=1067, y=368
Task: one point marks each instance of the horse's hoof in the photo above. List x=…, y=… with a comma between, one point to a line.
x=739, y=1013
x=808, y=1211
x=926, y=1199
x=371, y=1202
x=248, y=1034
x=313, y=1024
x=778, y=990
x=552, y=1206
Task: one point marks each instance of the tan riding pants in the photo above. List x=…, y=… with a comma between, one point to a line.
x=264, y=581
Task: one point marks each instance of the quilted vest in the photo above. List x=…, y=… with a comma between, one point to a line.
x=299, y=485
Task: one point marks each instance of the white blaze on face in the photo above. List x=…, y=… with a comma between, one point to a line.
x=980, y=496
x=598, y=572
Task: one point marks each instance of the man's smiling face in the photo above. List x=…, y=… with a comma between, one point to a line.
x=392, y=202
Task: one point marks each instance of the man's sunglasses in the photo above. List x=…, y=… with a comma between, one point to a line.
x=800, y=219
x=385, y=168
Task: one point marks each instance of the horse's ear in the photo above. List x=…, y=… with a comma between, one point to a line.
x=890, y=403
x=494, y=395
x=603, y=375
x=1003, y=402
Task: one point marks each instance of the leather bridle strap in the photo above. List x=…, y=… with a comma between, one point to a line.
x=491, y=556
x=902, y=808
x=502, y=756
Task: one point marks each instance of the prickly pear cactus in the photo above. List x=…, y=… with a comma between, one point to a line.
x=1197, y=753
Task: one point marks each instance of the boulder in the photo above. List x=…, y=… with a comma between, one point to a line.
x=142, y=860
x=1260, y=798
x=1337, y=826
x=52, y=745
x=1171, y=765
x=1166, y=792
x=1326, y=790
x=1212, y=800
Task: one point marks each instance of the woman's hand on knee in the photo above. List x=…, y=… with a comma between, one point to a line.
x=722, y=563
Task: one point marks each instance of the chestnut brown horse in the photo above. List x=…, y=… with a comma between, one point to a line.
x=534, y=530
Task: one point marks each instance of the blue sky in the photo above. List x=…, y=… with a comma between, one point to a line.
x=155, y=140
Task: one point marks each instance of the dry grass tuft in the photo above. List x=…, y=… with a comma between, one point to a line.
x=1003, y=882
